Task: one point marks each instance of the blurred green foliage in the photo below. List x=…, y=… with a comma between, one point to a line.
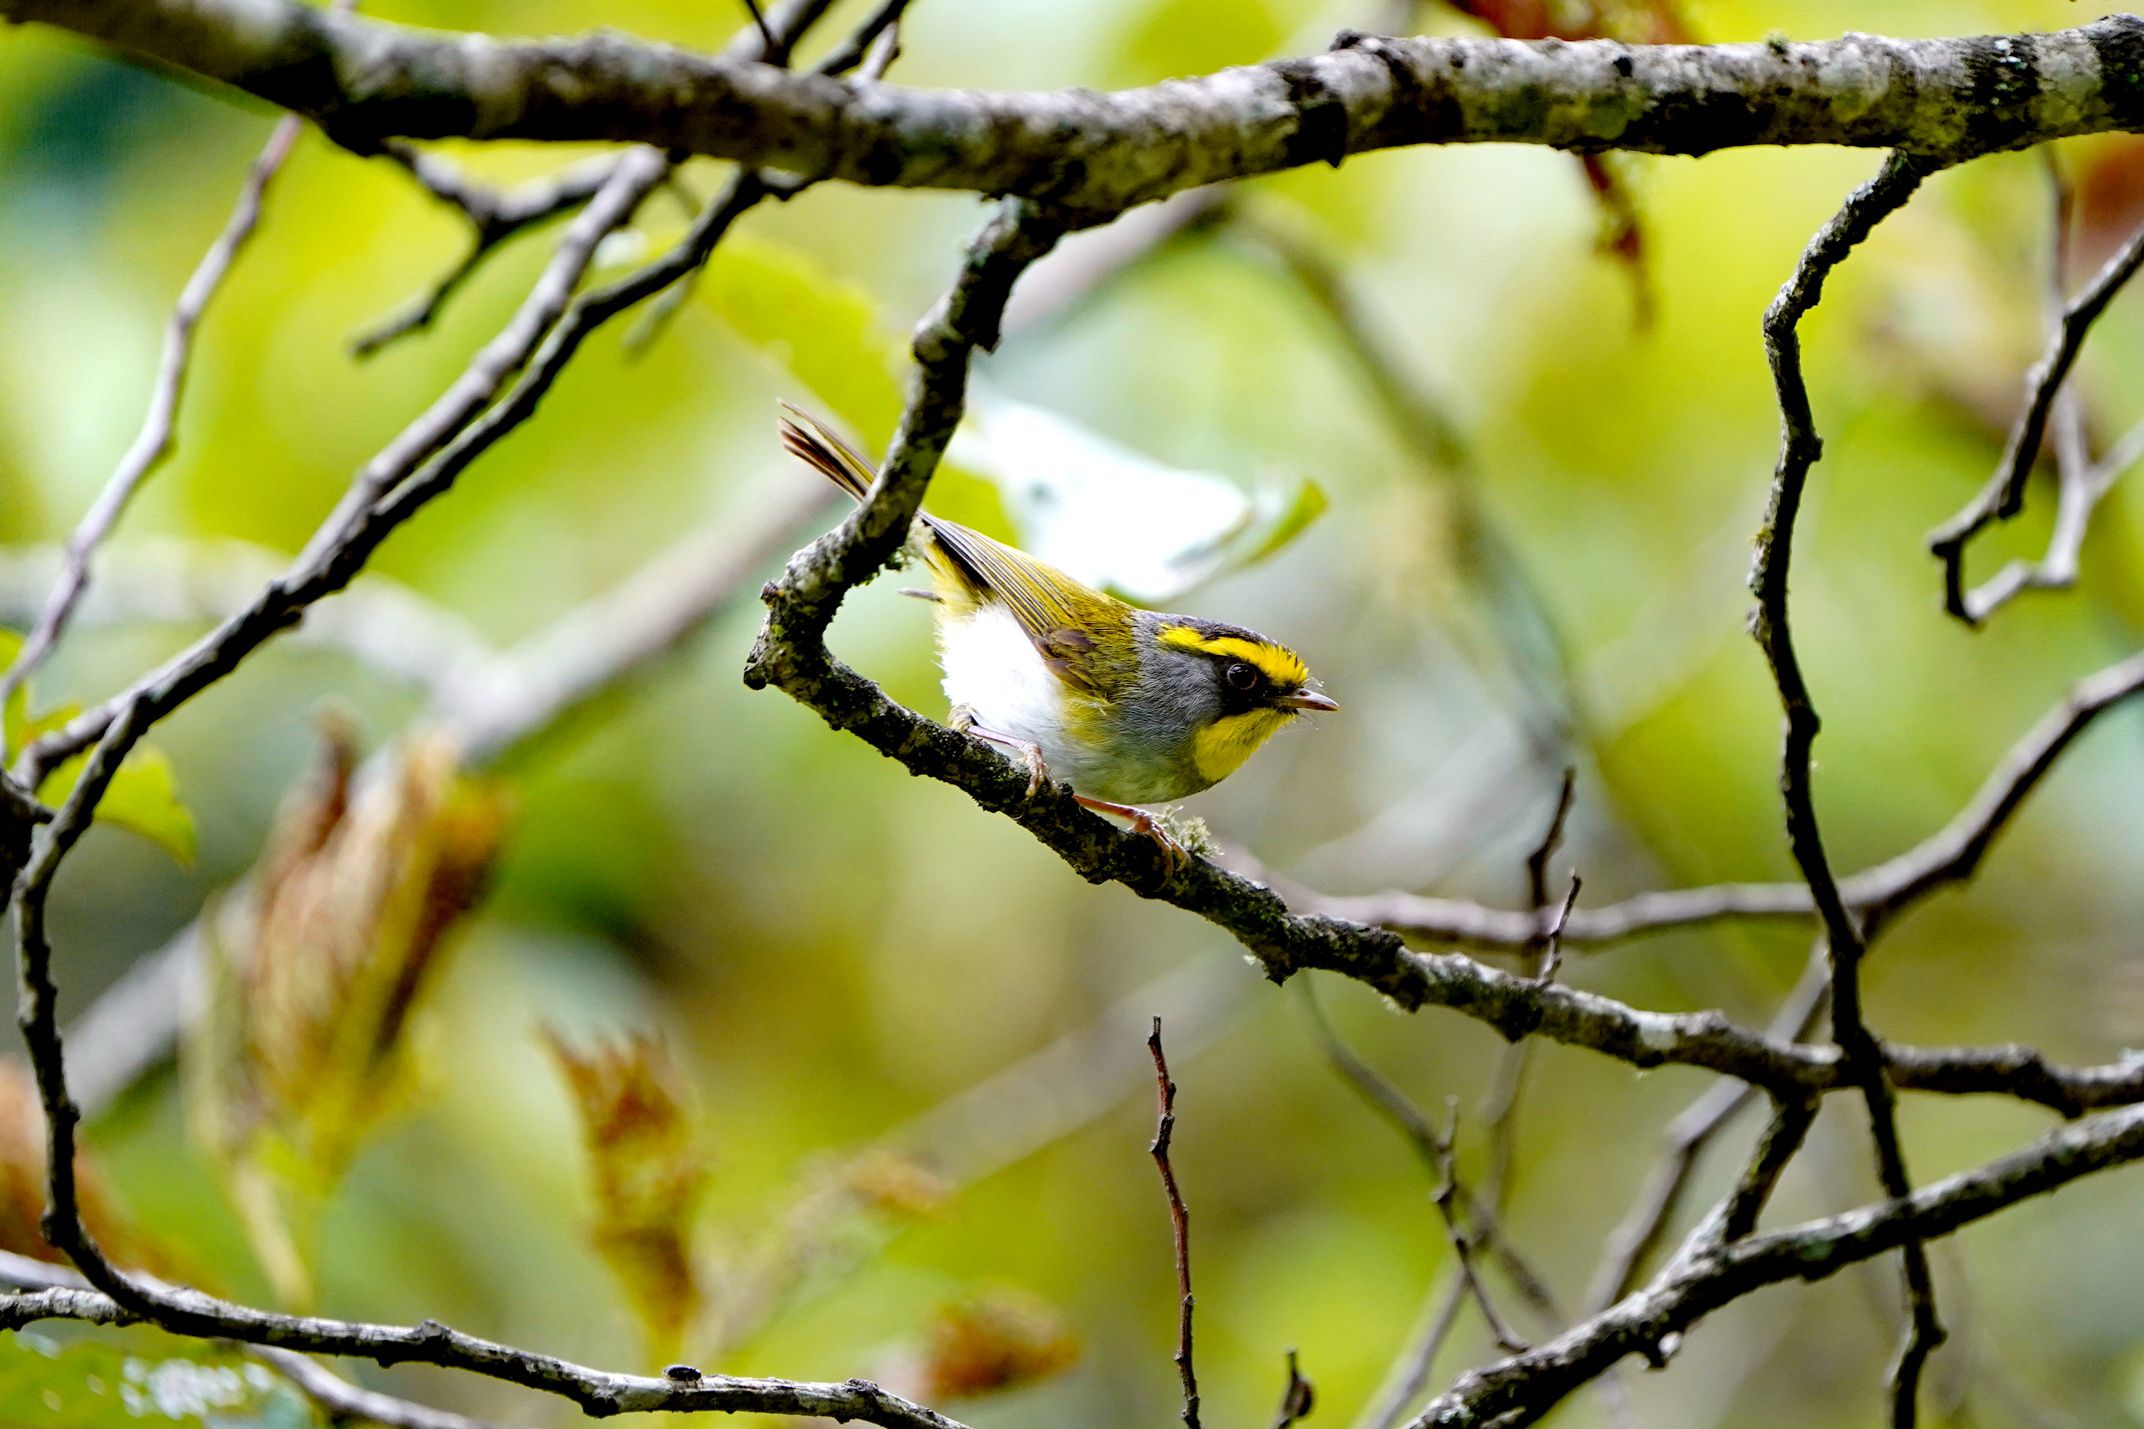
x=840, y=958
x=114, y=1383
x=142, y=797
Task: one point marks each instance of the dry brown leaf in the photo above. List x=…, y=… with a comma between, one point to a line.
x=648, y=1169
x=993, y=1343
x=295, y=1049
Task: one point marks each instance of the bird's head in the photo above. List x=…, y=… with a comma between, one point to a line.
x=1237, y=687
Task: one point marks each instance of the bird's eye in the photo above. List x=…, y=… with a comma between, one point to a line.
x=1241, y=677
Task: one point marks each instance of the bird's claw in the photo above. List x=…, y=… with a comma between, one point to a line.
x=1173, y=854
x=963, y=721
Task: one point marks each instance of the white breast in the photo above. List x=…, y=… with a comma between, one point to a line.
x=995, y=671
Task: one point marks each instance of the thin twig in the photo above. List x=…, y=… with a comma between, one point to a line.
x=1783, y=1136
x=1445, y=1195
x=1860, y=1054
x=766, y=35
x=1179, y=1224
x=495, y=218
x=2080, y=482
x=155, y=441
x=1551, y=838
x=1552, y=952
x=2004, y=494
x=875, y=44
x=1640, y=1232
x=422, y=311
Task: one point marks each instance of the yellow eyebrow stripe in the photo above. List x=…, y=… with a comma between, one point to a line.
x=1274, y=662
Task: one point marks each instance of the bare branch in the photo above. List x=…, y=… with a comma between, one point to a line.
x=1179, y=1226
x=494, y=219
x=1445, y=1196
x=340, y=1398
x=1552, y=951
x=367, y=82
x=2004, y=494
x=1861, y=1057
x=598, y=1393
x=1737, y=1216
x=2081, y=483
x=410, y=468
x=154, y=442
x=1528, y=1385
x=1640, y=1232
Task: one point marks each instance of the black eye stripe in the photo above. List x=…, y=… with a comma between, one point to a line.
x=1240, y=676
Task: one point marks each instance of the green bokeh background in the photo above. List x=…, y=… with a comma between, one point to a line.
x=835, y=949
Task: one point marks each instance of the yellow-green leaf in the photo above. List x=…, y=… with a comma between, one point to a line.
x=831, y=336
x=143, y=798
x=826, y=331
x=15, y=715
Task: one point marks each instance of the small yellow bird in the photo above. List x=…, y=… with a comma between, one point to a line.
x=1129, y=706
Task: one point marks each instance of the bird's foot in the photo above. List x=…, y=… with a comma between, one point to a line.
x=963, y=721
x=1143, y=821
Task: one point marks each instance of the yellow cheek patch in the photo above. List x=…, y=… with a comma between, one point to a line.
x=1277, y=663
x=1221, y=747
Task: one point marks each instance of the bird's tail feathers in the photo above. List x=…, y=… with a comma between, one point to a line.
x=814, y=443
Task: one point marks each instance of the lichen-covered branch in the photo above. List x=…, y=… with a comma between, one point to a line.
x=367, y=81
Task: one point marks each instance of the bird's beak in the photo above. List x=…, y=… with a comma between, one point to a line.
x=1306, y=700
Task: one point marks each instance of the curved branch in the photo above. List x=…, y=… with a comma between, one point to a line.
x=367, y=81
x=1860, y=1053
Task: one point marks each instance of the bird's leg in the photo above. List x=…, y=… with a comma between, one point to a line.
x=1142, y=822
x=1038, y=771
